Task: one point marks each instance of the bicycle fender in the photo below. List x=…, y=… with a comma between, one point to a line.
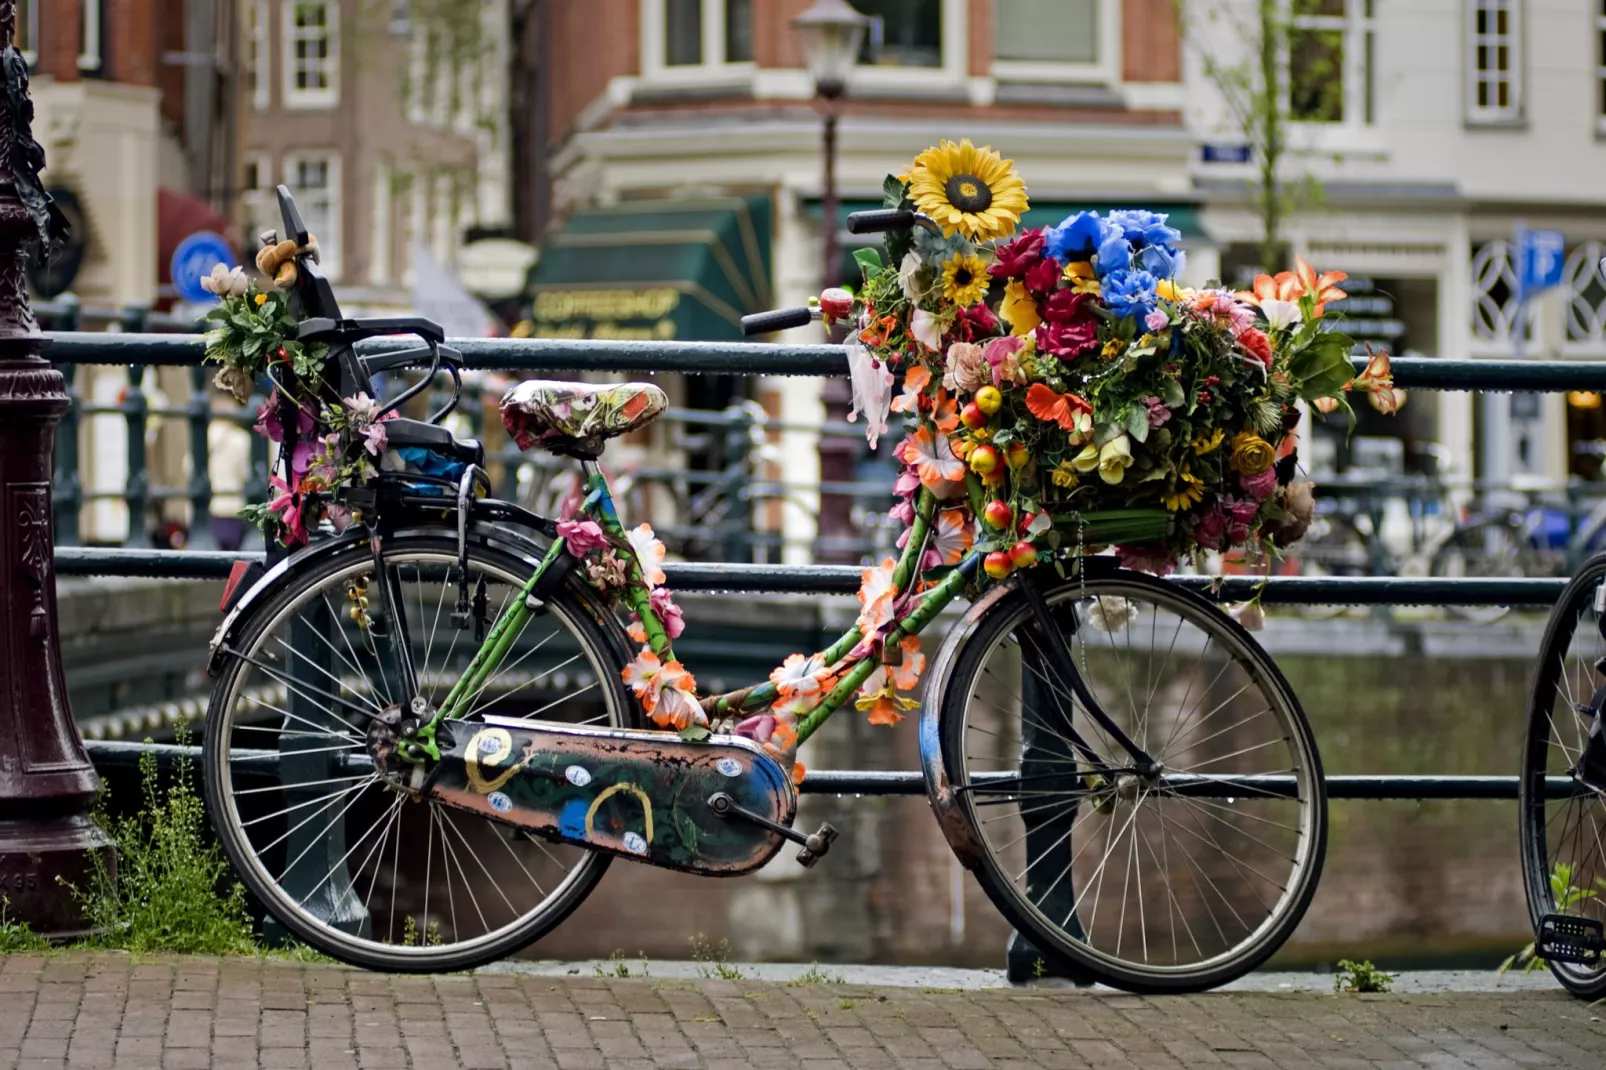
x=242, y=604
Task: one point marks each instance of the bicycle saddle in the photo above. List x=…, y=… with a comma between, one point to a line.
x=575, y=419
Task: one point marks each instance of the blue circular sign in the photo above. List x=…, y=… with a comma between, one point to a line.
x=194, y=260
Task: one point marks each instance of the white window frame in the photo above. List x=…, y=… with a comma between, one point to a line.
x=1600, y=70
x=1106, y=70
x=1494, y=114
x=90, y=54
x=1356, y=25
x=261, y=54
x=295, y=97
x=28, y=39
x=382, y=227
x=655, y=40
x=328, y=234
x=952, y=74
x=258, y=201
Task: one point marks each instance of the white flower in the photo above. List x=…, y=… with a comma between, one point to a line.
x=1280, y=314
x=926, y=328
x=872, y=390
x=226, y=282
x=906, y=275
x=1112, y=613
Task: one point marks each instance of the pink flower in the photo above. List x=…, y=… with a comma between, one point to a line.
x=668, y=612
x=288, y=506
x=1001, y=356
x=1158, y=412
x=339, y=517
x=1241, y=515
x=1211, y=528
x=269, y=418
x=582, y=536
x=1258, y=486
x=374, y=439
x=903, y=512
x=1155, y=557
x=1257, y=345
x=1156, y=321
x=966, y=368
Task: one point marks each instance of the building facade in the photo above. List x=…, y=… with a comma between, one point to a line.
x=1433, y=130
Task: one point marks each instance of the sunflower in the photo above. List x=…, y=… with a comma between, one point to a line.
x=1203, y=444
x=1188, y=490
x=964, y=279
x=966, y=189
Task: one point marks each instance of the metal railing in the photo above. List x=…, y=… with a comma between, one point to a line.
x=141, y=351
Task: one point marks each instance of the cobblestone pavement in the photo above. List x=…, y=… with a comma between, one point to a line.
x=113, y=1010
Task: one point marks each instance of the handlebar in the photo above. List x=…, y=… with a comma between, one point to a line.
x=779, y=320
x=881, y=219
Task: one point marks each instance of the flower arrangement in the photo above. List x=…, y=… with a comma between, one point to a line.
x=1066, y=388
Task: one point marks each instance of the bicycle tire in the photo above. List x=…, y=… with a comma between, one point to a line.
x=421, y=948
x=1466, y=553
x=966, y=806
x=1564, y=676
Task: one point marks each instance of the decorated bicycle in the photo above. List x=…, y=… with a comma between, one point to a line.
x=434, y=727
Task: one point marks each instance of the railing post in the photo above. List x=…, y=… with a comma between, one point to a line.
x=136, y=412
x=738, y=507
x=69, y=485
x=46, y=782
x=200, y=488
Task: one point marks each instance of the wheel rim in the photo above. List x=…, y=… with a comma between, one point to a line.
x=1138, y=876
x=1567, y=831
x=326, y=843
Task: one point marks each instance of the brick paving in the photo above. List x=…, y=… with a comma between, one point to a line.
x=110, y=1010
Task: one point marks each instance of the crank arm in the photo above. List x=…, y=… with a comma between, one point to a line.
x=814, y=847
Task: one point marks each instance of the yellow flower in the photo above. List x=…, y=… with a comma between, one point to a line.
x=1019, y=308
x=1251, y=454
x=1114, y=458
x=1170, y=291
x=261, y=299
x=1112, y=349
x=1064, y=474
x=966, y=189
x=964, y=279
x=1079, y=273
x=1188, y=490
x=1203, y=444
x=1087, y=460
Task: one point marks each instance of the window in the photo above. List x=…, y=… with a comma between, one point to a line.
x=1494, y=61
x=903, y=33
x=89, y=58
x=257, y=202
x=682, y=34
x=1056, y=40
x=27, y=38
x=314, y=179
x=258, y=74
x=1330, y=54
x=1600, y=74
x=311, y=54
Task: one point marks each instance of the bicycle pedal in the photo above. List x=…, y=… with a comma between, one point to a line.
x=816, y=846
x=1570, y=938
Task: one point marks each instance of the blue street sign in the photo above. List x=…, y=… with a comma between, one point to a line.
x=194, y=260
x=1226, y=153
x=1540, y=257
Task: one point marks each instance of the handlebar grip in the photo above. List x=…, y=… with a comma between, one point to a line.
x=779, y=320
x=879, y=220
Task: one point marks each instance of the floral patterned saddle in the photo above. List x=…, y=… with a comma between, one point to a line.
x=575, y=419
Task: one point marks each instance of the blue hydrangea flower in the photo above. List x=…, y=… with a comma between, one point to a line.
x=1114, y=255
x=1078, y=237
x=1163, y=262
x=1142, y=227
x=1130, y=294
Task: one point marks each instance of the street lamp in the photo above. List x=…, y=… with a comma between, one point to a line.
x=832, y=33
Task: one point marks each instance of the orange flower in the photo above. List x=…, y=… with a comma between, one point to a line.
x=885, y=707
x=946, y=416
x=879, y=331
x=952, y=538
x=933, y=457
x=915, y=381
x=1292, y=285
x=876, y=594
x=799, y=675
x=1072, y=413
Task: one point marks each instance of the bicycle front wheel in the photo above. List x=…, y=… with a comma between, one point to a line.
x=1172, y=879
x=370, y=876
x=1563, y=823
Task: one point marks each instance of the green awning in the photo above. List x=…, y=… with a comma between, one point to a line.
x=685, y=269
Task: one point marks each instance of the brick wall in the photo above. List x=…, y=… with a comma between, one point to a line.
x=129, y=38
x=59, y=38
x=591, y=43
x=1151, y=41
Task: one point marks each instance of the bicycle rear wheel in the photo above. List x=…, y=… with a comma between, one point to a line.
x=1169, y=883
x=1563, y=823
x=365, y=874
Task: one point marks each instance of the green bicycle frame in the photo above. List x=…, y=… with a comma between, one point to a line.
x=915, y=614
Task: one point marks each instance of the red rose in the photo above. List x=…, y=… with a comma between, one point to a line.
x=1042, y=277
x=1067, y=340
x=1014, y=258
x=1067, y=307
x=1257, y=345
x=974, y=324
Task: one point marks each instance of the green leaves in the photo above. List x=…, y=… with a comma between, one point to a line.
x=1137, y=422
x=869, y=262
x=1323, y=367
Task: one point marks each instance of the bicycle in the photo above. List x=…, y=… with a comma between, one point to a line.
x=428, y=737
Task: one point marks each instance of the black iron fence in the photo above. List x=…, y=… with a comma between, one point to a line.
x=141, y=351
